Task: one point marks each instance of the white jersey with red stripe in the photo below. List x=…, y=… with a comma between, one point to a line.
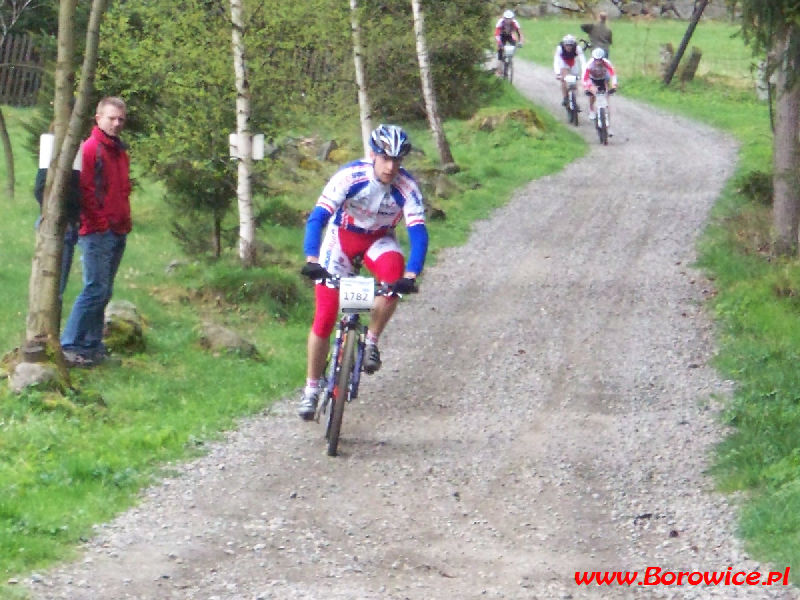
x=507, y=27
x=575, y=64
x=359, y=202
x=605, y=67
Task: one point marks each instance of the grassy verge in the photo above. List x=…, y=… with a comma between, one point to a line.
x=67, y=462
x=756, y=303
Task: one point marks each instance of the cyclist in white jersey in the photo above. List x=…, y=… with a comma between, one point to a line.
x=359, y=209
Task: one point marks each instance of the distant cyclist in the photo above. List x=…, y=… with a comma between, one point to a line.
x=599, y=75
x=358, y=211
x=568, y=60
x=507, y=31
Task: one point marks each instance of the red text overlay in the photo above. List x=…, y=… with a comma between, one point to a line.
x=658, y=576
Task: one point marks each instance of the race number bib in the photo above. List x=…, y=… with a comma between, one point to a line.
x=356, y=294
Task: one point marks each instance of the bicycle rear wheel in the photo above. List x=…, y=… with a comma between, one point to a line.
x=342, y=390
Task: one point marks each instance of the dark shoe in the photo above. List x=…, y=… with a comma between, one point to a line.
x=81, y=361
x=372, y=359
x=308, y=405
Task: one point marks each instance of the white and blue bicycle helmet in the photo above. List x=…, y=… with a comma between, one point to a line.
x=389, y=140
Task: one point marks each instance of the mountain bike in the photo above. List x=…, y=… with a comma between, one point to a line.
x=346, y=358
x=603, y=117
x=508, y=62
x=572, y=101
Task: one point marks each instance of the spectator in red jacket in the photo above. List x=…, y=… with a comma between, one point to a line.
x=105, y=223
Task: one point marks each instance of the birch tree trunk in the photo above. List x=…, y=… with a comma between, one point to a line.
x=44, y=308
x=364, y=109
x=244, y=140
x=786, y=149
x=428, y=92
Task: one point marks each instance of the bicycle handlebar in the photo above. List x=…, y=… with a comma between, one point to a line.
x=321, y=275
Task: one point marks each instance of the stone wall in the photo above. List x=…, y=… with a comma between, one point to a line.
x=670, y=9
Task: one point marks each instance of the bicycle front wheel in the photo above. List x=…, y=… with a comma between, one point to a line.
x=602, y=128
x=342, y=390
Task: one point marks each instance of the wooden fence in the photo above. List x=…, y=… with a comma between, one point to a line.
x=20, y=71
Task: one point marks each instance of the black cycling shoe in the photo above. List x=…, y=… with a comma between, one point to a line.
x=372, y=359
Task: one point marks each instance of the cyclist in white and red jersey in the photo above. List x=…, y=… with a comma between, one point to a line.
x=568, y=59
x=598, y=75
x=359, y=209
x=507, y=31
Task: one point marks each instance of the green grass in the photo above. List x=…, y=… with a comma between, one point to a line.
x=69, y=461
x=757, y=299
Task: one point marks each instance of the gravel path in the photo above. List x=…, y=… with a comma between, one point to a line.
x=560, y=419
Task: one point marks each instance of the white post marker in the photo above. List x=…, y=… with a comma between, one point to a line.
x=257, y=146
x=46, y=143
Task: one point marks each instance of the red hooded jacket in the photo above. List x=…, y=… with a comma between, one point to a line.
x=105, y=185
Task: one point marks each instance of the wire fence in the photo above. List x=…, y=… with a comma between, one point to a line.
x=21, y=69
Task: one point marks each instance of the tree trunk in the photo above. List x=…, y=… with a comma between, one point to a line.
x=9, y=152
x=216, y=236
x=698, y=12
x=44, y=308
x=364, y=109
x=244, y=139
x=786, y=150
x=11, y=13
x=428, y=92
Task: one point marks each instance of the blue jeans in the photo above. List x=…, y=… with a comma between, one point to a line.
x=101, y=255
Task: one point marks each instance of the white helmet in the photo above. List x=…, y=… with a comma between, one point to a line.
x=598, y=53
x=569, y=39
x=509, y=14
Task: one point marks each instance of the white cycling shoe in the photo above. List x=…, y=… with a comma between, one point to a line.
x=308, y=404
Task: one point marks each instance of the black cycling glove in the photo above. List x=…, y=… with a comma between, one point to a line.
x=314, y=270
x=405, y=285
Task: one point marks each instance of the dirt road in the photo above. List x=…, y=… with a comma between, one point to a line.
x=546, y=406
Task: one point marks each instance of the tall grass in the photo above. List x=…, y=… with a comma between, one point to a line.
x=69, y=461
x=757, y=300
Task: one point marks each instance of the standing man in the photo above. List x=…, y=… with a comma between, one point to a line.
x=105, y=223
x=358, y=211
x=599, y=33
